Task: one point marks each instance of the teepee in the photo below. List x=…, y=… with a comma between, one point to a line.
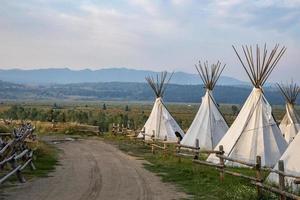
x=208, y=125
x=290, y=124
x=291, y=161
x=160, y=124
x=255, y=132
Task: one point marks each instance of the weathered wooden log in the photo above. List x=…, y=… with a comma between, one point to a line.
x=4, y=178
x=6, y=160
x=185, y=155
x=222, y=163
x=178, y=149
x=237, y=174
x=276, y=190
x=25, y=164
x=5, y=134
x=236, y=160
x=157, y=146
x=280, y=172
x=20, y=177
x=7, y=146
x=16, y=150
x=258, y=176
x=169, y=142
x=187, y=146
x=202, y=162
x=281, y=179
x=144, y=133
x=21, y=154
x=197, y=149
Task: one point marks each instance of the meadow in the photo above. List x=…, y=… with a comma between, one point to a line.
x=104, y=114
x=199, y=181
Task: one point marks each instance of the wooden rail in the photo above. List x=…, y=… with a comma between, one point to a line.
x=118, y=129
x=15, y=153
x=257, y=180
x=190, y=151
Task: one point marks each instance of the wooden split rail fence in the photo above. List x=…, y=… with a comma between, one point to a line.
x=258, y=180
x=15, y=155
x=118, y=129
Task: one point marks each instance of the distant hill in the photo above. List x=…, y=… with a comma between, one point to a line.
x=65, y=76
x=126, y=91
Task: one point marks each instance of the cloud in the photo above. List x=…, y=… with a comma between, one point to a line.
x=145, y=34
x=147, y=6
x=279, y=15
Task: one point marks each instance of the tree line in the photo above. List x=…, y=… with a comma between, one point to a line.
x=101, y=117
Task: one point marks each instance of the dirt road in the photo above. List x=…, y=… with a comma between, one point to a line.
x=92, y=170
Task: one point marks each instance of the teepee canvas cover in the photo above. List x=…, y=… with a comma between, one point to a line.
x=255, y=132
x=208, y=125
x=291, y=160
x=290, y=124
x=160, y=124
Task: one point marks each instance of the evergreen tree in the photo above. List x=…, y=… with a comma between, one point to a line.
x=234, y=109
x=126, y=108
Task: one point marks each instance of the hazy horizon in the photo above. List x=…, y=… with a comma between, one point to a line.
x=146, y=35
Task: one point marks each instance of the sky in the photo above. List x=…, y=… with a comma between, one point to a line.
x=156, y=35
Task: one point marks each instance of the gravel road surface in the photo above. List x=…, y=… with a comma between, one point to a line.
x=94, y=170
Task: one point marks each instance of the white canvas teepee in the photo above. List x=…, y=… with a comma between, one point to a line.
x=290, y=124
x=291, y=160
x=208, y=125
x=160, y=124
x=255, y=132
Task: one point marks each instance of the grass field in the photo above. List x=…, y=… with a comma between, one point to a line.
x=93, y=113
x=199, y=181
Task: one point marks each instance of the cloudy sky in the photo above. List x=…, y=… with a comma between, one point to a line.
x=146, y=34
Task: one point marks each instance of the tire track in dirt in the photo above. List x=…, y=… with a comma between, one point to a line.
x=95, y=184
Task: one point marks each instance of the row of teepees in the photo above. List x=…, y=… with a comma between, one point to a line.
x=253, y=133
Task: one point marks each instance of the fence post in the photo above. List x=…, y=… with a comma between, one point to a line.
x=152, y=148
x=32, y=166
x=18, y=173
x=178, y=149
x=222, y=164
x=165, y=146
x=122, y=128
x=281, y=179
x=153, y=135
x=144, y=134
x=258, y=176
x=152, y=142
x=128, y=125
x=197, y=150
x=113, y=129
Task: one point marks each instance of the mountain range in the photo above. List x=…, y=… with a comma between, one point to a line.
x=116, y=84
x=126, y=91
x=66, y=76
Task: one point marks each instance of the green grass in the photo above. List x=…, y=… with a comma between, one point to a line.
x=200, y=181
x=46, y=158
